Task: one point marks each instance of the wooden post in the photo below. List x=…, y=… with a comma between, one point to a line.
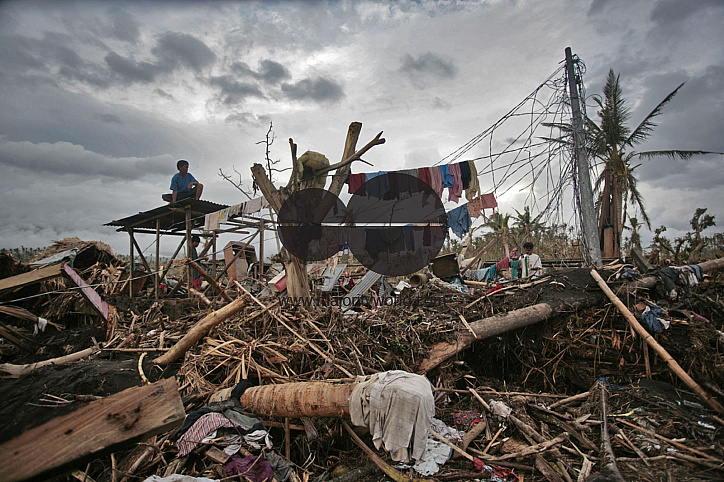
x=156, y=278
x=130, y=274
x=211, y=280
x=213, y=254
x=261, y=251
x=188, y=249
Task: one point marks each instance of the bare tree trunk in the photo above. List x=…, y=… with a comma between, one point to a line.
x=297, y=279
x=618, y=201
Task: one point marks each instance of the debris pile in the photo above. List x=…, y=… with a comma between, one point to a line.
x=575, y=394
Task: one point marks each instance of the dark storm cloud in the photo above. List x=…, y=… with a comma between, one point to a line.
x=247, y=118
x=428, y=64
x=71, y=160
x=53, y=54
x=273, y=72
x=129, y=70
x=319, y=90
x=269, y=72
x=163, y=93
x=123, y=26
x=597, y=6
x=234, y=92
x=175, y=49
x=669, y=12
x=108, y=118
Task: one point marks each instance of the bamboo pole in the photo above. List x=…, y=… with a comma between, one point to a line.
x=661, y=351
x=210, y=279
x=200, y=329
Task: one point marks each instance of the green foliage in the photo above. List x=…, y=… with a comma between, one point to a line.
x=22, y=253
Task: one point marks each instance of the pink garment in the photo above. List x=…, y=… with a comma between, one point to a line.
x=456, y=191
x=436, y=180
x=489, y=201
x=503, y=264
x=475, y=207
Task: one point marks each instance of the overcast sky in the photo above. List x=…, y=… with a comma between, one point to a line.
x=99, y=99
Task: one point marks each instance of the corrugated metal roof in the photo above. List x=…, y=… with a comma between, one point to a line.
x=171, y=217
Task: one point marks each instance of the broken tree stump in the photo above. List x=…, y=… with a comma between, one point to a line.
x=103, y=425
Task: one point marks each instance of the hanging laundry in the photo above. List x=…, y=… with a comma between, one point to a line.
x=408, y=232
x=475, y=207
x=474, y=188
x=394, y=240
x=456, y=190
x=377, y=184
x=465, y=173
x=436, y=180
x=502, y=265
x=373, y=242
x=211, y=221
x=459, y=220
x=356, y=184
x=447, y=178
x=489, y=201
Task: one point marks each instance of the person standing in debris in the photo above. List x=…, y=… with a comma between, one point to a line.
x=530, y=265
x=195, y=276
x=183, y=184
x=514, y=264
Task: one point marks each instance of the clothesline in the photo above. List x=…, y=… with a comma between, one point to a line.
x=213, y=220
x=456, y=176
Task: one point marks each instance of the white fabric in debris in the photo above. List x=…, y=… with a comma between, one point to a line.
x=436, y=454
x=397, y=407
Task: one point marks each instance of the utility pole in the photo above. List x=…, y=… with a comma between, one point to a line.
x=584, y=200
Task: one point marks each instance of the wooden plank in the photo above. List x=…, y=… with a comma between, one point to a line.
x=103, y=425
x=36, y=276
x=90, y=294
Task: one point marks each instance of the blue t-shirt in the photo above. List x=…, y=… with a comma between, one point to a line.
x=181, y=184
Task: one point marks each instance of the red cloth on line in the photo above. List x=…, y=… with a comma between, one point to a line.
x=489, y=201
x=456, y=191
x=355, y=182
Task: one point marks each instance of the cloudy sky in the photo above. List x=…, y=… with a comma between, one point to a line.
x=99, y=99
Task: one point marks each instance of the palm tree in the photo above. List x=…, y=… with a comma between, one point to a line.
x=612, y=141
x=526, y=225
x=499, y=224
x=635, y=236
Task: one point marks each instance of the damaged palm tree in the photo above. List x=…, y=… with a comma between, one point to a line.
x=297, y=280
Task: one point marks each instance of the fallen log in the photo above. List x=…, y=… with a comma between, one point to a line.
x=512, y=320
x=302, y=399
x=660, y=350
x=101, y=426
x=200, y=329
x=15, y=371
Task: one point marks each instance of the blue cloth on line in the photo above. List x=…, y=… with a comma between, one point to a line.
x=447, y=178
x=459, y=220
x=377, y=183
